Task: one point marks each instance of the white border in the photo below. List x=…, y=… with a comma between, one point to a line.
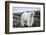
x=11, y=29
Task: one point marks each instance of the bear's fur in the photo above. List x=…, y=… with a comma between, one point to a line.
x=27, y=18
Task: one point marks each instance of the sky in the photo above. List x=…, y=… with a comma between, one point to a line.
x=24, y=9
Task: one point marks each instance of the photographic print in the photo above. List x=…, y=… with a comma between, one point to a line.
x=24, y=17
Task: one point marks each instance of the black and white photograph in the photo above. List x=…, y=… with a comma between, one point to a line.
x=24, y=17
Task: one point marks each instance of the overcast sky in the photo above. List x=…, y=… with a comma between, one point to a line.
x=24, y=9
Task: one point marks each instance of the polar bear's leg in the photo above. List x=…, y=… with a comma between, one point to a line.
x=28, y=22
x=22, y=22
x=32, y=21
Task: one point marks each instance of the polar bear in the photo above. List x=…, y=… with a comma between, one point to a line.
x=27, y=18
